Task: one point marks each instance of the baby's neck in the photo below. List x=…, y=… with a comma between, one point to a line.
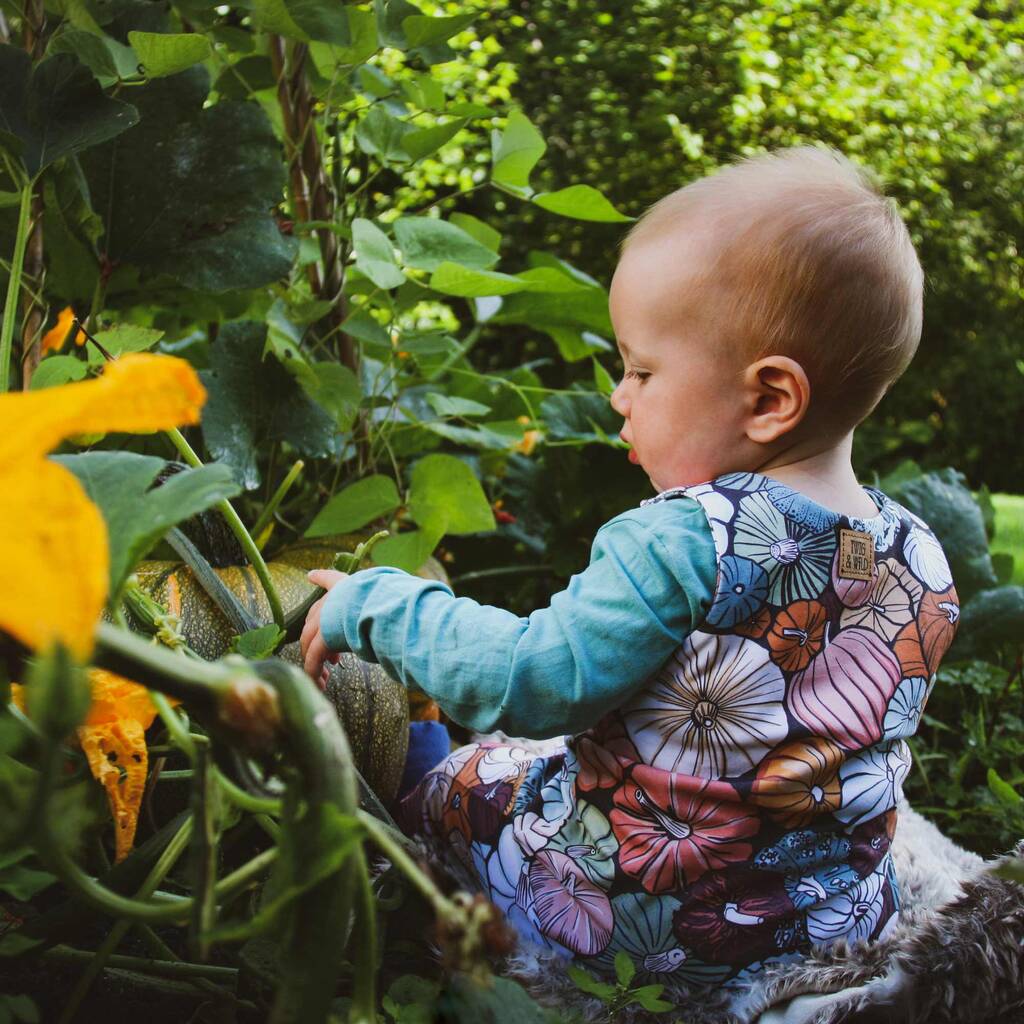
x=825, y=476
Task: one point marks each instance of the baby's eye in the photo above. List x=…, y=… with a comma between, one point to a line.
x=640, y=375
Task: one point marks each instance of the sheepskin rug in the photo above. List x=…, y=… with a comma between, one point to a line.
x=955, y=957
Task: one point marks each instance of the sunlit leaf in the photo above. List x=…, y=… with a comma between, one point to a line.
x=167, y=53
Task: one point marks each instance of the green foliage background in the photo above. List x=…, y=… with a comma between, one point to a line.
x=383, y=235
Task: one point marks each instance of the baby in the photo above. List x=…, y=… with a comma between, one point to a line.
x=738, y=667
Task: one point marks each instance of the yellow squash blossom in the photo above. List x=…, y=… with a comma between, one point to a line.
x=54, y=558
x=113, y=738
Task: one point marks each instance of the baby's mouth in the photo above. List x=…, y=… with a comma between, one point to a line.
x=633, y=457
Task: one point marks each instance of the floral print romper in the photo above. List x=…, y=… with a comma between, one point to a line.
x=738, y=809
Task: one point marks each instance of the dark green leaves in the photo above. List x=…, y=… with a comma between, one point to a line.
x=187, y=191
x=305, y=20
x=137, y=514
x=54, y=109
x=255, y=400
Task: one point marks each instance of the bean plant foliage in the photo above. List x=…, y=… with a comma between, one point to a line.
x=258, y=311
x=269, y=197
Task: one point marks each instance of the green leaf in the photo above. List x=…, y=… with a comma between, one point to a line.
x=423, y=141
x=482, y=232
x=945, y=503
x=427, y=242
x=167, y=53
x=123, y=338
x=390, y=15
x=305, y=20
x=56, y=370
x=603, y=379
x=138, y=515
x=202, y=218
x=259, y=643
x=450, y=405
x=587, y=983
x=991, y=619
x=363, y=44
x=548, y=279
x=355, y=506
x=581, y=202
x=253, y=401
x=105, y=57
x=492, y=1000
x=375, y=256
x=1003, y=791
x=332, y=386
x=647, y=997
x=248, y=75
x=578, y=416
x=380, y=134
x=20, y=880
x=55, y=108
x=515, y=151
x=424, y=91
x=407, y=550
x=445, y=495
x=23, y=1008
x=625, y=969
x=422, y=31
x=456, y=279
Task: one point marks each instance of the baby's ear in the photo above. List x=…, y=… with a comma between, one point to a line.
x=778, y=397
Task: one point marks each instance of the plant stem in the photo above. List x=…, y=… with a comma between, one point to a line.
x=277, y=497
x=172, y=851
x=364, y=946
x=179, y=734
x=258, y=805
x=238, y=529
x=161, y=968
x=395, y=852
x=14, y=286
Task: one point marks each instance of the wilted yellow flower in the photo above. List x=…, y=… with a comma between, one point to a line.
x=56, y=337
x=113, y=737
x=54, y=559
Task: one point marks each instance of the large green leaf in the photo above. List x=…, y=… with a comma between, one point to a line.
x=991, y=619
x=455, y=279
x=253, y=401
x=421, y=30
x=167, y=53
x=187, y=192
x=422, y=142
x=331, y=385
x=363, y=44
x=305, y=20
x=380, y=134
x=515, y=152
x=375, y=256
x=355, y=506
x=55, y=108
x=445, y=495
x=581, y=202
x=108, y=59
x=427, y=242
x=137, y=514
x=943, y=501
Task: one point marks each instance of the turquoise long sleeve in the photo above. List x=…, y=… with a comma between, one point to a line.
x=650, y=580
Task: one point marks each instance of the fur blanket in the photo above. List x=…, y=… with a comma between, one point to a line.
x=956, y=957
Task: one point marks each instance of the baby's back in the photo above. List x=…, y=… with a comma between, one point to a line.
x=751, y=784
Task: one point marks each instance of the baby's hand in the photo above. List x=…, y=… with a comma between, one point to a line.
x=315, y=652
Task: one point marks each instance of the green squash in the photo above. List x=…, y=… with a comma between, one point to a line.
x=373, y=707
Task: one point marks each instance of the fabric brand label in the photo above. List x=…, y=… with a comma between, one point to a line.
x=856, y=555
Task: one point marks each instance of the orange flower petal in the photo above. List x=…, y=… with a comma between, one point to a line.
x=57, y=336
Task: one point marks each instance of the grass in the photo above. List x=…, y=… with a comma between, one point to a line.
x=1009, y=536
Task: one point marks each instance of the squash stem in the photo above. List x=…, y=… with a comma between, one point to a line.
x=14, y=286
x=364, y=946
x=179, y=734
x=275, y=500
x=237, y=527
x=172, y=851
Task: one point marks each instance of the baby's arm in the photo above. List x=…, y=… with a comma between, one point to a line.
x=649, y=582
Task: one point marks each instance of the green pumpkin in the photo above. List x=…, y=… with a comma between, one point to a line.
x=373, y=707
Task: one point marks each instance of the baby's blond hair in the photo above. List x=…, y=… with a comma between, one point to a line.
x=812, y=262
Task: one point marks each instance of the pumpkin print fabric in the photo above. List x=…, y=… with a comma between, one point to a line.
x=738, y=809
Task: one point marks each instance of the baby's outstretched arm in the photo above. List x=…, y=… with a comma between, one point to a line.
x=649, y=582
